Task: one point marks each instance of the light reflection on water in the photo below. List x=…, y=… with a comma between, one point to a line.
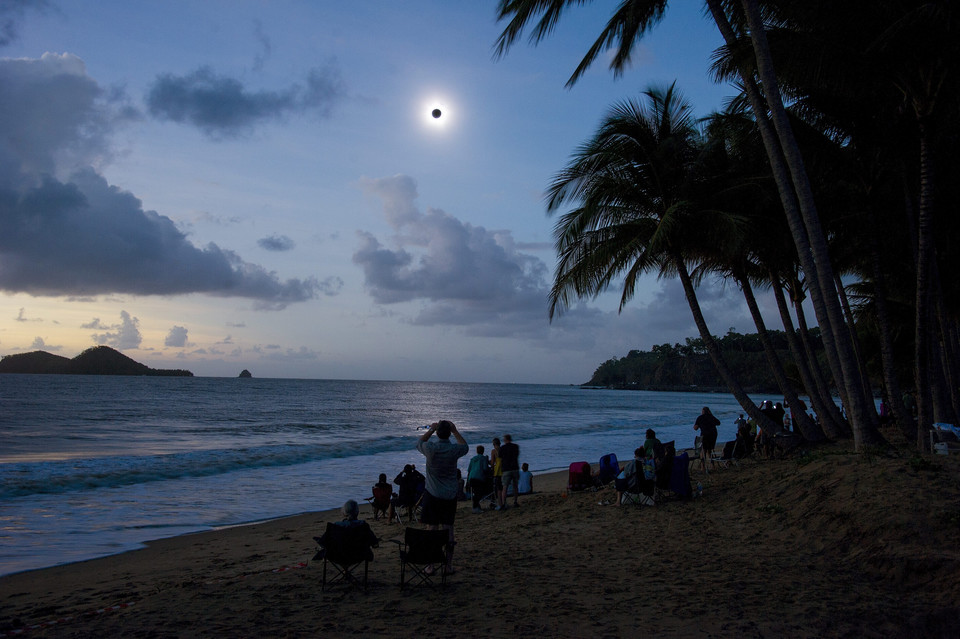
x=156, y=457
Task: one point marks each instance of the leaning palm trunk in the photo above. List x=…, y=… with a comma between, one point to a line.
x=821, y=401
x=788, y=198
x=808, y=346
x=716, y=355
x=854, y=340
x=826, y=304
x=803, y=423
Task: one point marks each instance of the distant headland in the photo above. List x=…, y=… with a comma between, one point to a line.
x=99, y=360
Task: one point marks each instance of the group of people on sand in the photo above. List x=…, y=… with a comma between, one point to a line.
x=642, y=468
x=749, y=435
x=439, y=489
x=498, y=476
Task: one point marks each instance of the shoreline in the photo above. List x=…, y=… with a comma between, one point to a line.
x=774, y=548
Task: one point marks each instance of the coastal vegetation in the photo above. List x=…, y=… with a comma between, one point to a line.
x=99, y=360
x=688, y=366
x=827, y=179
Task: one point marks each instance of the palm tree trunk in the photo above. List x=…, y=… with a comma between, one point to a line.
x=827, y=421
x=943, y=408
x=925, y=252
x=796, y=219
x=829, y=315
x=852, y=326
x=810, y=431
x=714, y=351
x=831, y=406
x=949, y=355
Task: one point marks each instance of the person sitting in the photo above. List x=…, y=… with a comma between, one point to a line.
x=652, y=446
x=351, y=517
x=525, y=485
x=383, y=498
x=628, y=479
x=411, y=483
x=360, y=536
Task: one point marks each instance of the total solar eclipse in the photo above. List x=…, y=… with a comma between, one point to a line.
x=436, y=113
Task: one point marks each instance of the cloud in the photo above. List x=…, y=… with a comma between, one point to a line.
x=65, y=231
x=177, y=337
x=21, y=317
x=276, y=243
x=266, y=46
x=465, y=275
x=331, y=286
x=222, y=107
x=39, y=344
x=126, y=334
x=482, y=283
x=94, y=324
x=12, y=12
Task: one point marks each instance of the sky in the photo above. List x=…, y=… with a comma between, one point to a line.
x=239, y=184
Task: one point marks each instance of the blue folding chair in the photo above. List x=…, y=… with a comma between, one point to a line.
x=609, y=468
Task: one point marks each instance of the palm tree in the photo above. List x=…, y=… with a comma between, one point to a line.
x=640, y=196
x=630, y=21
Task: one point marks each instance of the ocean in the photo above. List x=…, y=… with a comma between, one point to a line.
x=96, y=465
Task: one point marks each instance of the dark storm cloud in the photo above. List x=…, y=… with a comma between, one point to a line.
x=276, y=243
x=65, y=231
x=223, y=107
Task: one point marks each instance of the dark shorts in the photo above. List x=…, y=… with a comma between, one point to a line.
x=709, y=442
x=511, y=477
x=438, y=511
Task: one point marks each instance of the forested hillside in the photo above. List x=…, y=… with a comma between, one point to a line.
x=688, y=366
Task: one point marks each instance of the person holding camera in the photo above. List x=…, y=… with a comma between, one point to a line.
x=440, y=496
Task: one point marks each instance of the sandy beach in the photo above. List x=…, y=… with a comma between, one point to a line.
x=835, y=544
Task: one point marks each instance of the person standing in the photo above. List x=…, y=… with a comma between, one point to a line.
x=440, y=494
x=707, y=425
x=510, y=467
x=477, y=477
x=497, y=464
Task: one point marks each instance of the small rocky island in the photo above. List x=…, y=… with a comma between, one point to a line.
x=245, y=373
x=99, y=360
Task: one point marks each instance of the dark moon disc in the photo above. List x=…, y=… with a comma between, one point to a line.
x=435, y=113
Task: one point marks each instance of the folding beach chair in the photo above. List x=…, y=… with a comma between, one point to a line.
x=421, y=549
x=697, y=447
x=345, y=548
x=580, y=476
x=413, y=506
x=677, y=481
x=609, y=468
x=638, y=489
x=380, y=500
